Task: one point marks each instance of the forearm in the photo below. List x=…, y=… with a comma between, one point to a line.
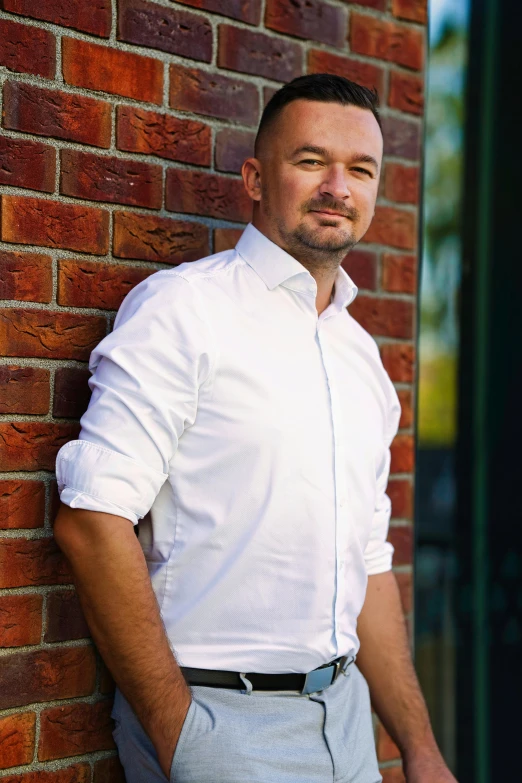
x=384, y=659
x=114, y=587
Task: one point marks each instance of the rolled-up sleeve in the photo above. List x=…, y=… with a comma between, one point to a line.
x=146, y=377
x=378, y=554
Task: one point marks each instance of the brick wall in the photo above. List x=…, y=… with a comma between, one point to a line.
x=124, y=125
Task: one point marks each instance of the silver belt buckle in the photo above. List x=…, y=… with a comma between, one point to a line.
x=319, y=679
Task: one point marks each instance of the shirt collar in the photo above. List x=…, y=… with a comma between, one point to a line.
x=275, y=266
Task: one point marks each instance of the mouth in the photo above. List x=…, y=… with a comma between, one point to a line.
x=329, y=213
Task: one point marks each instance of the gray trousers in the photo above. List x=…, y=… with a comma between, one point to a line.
x=230, y=736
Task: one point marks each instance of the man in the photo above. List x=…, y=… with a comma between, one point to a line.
x=242, y=414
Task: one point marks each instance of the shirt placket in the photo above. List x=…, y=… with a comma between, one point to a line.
x=341, y=526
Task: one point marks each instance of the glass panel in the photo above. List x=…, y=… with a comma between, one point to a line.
x=435, y=565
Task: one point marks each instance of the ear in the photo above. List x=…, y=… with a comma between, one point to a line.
x=251, y=173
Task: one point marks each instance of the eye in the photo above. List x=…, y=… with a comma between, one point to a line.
x=310, y=160
x=363, y=171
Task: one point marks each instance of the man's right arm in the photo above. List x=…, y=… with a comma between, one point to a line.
x=119, y=604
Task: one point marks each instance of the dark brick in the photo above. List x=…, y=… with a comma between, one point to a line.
x=20, y=622
x=26, y=49
x=27, y=164
x=207, y=194
x=45, y=675
x=22, y=503
x=248, y=11
x=33, y=221
x=65, y=619
x=26, y=276
x=401, y=138
x=361, y=265
x=58, y=114
x=258, y=54
x=71, y=392
x=310, y=19
x=233, y=147
x=158, y=134
x=152, y=238
x=33, y=445
x=99, y=67
x=367, y=74
x=108, y=771
x=74, y=730
x=24, y=389
x=169, y=29
x=209, y=93
x=107, y=178
x=92, y=284
x=92, y=18
x=48, y=334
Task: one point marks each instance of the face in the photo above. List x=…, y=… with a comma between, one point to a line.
x=315, y=182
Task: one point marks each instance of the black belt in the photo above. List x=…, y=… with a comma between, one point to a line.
x=316, y=680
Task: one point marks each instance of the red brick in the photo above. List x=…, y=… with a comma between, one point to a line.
x=226, y=238
x=367, y=74
x=152, y=238
x=169, y=29
x=378, y=5
x=27, y=164
x=45, y=675
x=24, y=389
x=26, y=276
x=361, y=265
x=405, y=583
x=387, y=750
x=400, y=492
x=91, y=284
x=310, y=19
x=401, y=537
x=401, y=138
x=399, y=361
x=413, y=10
x=407, y=415
x=406, y=92
x=268, y=93
x=27, y=49
x=395, y=227
x=65, y=619
x=383, y=317
x=17, y=739
x=33, y=221
x=22, y=504
x=401, y=183
x=48, y=334
x=61, y=115
x=207, y=194
x=108, y=771
x=210, y=93
x=92, y=18
x=393, y=775
x=399, y=273
x=78, y=773
x=99, y=67
x=233, y=147
x=71, y=392
x=258, y=54
x=20, y=623
x=74, y=730
x=376, y=37
x=54, y=501
x=33, y=445
x=158, y=134
x=107, y=178
x=402, y=454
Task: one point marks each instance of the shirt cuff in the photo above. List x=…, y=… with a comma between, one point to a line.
x=380, y=561
x=89, y=475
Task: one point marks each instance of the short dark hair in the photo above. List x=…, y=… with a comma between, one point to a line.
x=324, y=87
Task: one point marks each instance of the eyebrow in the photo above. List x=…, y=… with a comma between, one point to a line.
x=315, y=150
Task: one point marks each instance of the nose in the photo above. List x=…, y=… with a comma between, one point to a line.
x=335, y=183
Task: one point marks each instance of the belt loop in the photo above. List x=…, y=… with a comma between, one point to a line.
x=246, y=683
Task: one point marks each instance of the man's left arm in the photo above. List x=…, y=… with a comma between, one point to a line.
x=384, y=659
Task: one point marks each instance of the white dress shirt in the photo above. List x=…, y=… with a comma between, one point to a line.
x=252, y=437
